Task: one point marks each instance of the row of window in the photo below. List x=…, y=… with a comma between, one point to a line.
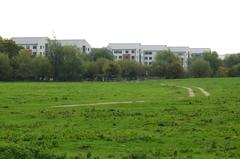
x=126, y=51
x=148, y=58
x=126, y=57
x=34, y=47
x=35, y=53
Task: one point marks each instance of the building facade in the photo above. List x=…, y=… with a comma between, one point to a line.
x=39, y=45
x=82, y=44
x=126, y=51
x=145, y=54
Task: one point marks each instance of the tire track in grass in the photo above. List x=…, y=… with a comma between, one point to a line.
x=203, y=91
x=95, y=104
x=190, y=91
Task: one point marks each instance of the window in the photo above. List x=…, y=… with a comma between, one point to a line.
x=120, y=57
x=117, y=51
x=148, y=53
x=84, y=49
x=40, y=53
x=150, y=58
x=126, y=51
x=34, y=53
x=150, y=63
x=40, y=46
x=146, y=58
x=133, y=51
x=34, y=46
x=133, y=57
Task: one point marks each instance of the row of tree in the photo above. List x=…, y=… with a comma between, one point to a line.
x=67, y=63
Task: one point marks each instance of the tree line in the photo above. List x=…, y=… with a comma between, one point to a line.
x=67, y=63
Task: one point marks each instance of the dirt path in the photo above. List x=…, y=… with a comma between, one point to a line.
x=94, y=104
x=203, y=91
x=190, y=91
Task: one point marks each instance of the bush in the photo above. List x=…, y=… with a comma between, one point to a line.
x=200, y=68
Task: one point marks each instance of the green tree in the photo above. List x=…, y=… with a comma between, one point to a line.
x=90, y=70
x=97, y=53
x=111, y=70
x=222, y=71
x=234, y=71
x=214, y=61
x=167, y=65
x=56, y=56
x=100, y=64
x=24, y=65
x=9, y=47
x=131, y=70
x=41, y=68
x=72, y=63
x=232, y=60
x=200, y=68
x=5, y=67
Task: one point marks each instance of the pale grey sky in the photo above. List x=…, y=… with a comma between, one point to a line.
x=195, y=23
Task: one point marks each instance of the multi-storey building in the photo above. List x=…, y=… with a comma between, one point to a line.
x=149, y=52
x=82, y=44
x=145, y=54
x=126, y=51
x=39, y=45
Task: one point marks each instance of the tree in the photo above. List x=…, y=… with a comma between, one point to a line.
x=167, y=65
x=111, y=70
x=24, y=65
x=98, y=53
x=72, y=63
x=56, y=56
x=41, y=68
x=5, y=67
x=90, y=70
x=175, y=70
x=9, y=47
x=232, y=60
x=100, y=64
x=222, y=71
x=234, y=71
x=131, y=70
x=200, y=68
x=214, y=61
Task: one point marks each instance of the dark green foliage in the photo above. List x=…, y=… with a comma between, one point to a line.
x=167, y=65
x=5, y=67
x=214, y=61
x=98, y=53
x=199, y=68
x=231, y=60
x=111, y=70
x=131, y=70
x=9, y=47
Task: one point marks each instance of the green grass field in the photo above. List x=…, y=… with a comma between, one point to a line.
x=168, y=124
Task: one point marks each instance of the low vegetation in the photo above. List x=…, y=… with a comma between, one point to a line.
x=168, y=124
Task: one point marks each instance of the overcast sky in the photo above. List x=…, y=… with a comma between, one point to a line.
x=195, y=23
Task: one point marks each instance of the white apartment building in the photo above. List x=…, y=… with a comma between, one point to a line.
x=82, y=44
x=145, y=54
x=149, y=52
x=126, y=51
x=39, y=45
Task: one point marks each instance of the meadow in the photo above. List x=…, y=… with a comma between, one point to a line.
x=165, y=123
